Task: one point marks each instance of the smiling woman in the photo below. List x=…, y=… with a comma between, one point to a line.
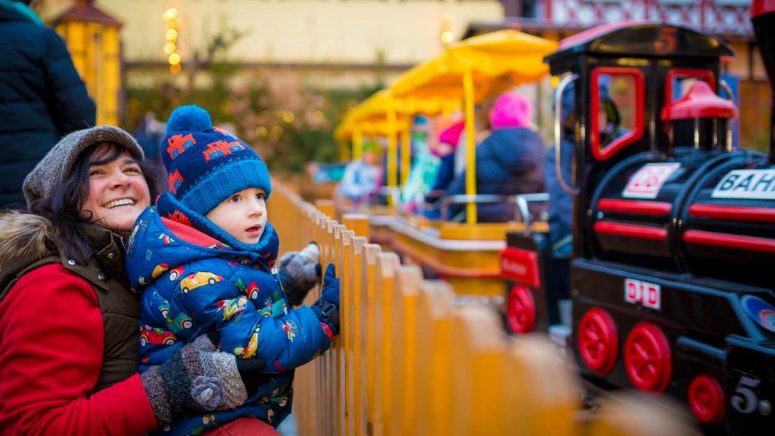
x=69, y=322
x=118, y=190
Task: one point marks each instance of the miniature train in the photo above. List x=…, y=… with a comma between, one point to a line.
x=673, y=229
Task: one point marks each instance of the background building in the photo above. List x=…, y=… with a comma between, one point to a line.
x=283, y=72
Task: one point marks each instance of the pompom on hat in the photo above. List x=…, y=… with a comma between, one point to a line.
x=207, y=165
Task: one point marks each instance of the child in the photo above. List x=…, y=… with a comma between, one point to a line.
x=203, y=258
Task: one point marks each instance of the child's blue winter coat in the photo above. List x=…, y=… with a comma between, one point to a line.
x=192, y=284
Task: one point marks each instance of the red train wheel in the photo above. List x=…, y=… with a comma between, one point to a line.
x=597, y=340
x=647, y=358
x=706, y=399
x=521, y=310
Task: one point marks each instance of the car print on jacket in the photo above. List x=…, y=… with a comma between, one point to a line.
x=156, y=336
x=251, y=291
x=196, y=280
x=159, y=269
x=175, y=273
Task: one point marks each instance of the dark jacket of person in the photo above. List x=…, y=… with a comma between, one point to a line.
x=42, y=98
x=508, y=162
x=560, y=201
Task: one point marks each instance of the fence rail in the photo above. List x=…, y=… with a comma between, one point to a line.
x=413, y=359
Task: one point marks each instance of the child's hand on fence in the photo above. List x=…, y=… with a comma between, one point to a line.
x=329, y=297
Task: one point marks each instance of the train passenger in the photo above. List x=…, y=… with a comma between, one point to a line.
x=447, y=145
x=361, y=179
x=43, y=98
x=508, y=162
x=560, y=201
x=444, y=149
x=69, y=323
x=203, y=257
x=425, y=166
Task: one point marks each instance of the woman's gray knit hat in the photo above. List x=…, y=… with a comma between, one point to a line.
x=58, y=163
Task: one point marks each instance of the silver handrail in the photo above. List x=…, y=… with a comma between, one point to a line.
x=558, y=132
x=726, y=87
x=446, y=202
x=522, y=201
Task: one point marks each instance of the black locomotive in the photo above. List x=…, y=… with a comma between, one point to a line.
x=673, y=229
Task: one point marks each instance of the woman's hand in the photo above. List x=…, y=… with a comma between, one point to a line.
x=196, y=378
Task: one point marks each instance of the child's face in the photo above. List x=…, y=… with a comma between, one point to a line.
x=243, y=215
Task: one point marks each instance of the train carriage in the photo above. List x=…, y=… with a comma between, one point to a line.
x=673, y=229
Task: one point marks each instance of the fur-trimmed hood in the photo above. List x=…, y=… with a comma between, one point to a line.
x=27, y=238
x=24, y=236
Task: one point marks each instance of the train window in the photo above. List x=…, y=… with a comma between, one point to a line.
x=616, y=109
x=679, y=80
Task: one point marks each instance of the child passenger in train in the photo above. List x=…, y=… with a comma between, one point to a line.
x=203, y=259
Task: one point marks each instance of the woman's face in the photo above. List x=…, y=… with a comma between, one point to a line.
x=118, y=192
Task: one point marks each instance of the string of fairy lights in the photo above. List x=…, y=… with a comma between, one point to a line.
x=171, y=25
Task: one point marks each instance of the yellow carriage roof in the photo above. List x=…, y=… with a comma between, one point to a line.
x=497, y=60
x=371, y=118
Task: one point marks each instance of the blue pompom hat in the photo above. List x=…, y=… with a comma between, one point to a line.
x=207, y=165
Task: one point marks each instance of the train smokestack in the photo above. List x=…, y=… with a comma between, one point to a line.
x=763, y=20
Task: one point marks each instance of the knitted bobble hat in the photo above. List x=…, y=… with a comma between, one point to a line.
x=207, y=165
x=510, y=110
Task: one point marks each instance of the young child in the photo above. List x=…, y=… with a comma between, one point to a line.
x=203, y=257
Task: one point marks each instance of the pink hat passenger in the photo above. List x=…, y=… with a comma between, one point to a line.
x=510, y=110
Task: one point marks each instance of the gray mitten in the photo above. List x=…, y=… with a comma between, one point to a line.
x=196, y=378
x=299, y=272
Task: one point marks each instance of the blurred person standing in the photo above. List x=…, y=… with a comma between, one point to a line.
x=361, y=179
x=42, y=97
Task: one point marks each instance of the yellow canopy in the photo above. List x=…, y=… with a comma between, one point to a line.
x=496, y=61
x=470, y=71
x=371, y=116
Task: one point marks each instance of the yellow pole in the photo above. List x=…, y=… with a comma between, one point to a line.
x=468, y=102
x=357, y=143
x=406, y=151
x=344, y=154
x=392, y=166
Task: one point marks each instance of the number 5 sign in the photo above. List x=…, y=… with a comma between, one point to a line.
x=648, y=180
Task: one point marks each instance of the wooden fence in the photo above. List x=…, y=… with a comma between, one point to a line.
x=414, y=360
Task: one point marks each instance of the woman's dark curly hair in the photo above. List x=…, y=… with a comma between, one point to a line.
x=63, y=205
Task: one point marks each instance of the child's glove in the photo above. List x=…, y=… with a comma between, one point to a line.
x=299, y=272
x=328, y=304
x=196, y=378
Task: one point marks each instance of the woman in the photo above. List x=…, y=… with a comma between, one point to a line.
x=69, y=323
